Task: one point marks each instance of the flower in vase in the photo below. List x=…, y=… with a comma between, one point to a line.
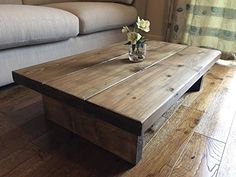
x=125, y=29
x=134, y=37
x=134, y=34
x=136, y=41
x=143, y=25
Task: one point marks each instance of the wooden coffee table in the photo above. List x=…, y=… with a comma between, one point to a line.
x=111, y=102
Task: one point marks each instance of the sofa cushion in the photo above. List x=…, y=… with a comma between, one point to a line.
x=10, y=1
x=40, y=2
x=22, y=25
x=99, y=16
x=119, y=1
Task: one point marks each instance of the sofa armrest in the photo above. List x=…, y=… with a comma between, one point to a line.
x=141, y=6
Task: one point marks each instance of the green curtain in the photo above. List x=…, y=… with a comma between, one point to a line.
x=205, y=23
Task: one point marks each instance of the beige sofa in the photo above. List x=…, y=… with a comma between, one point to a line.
x=36, y=31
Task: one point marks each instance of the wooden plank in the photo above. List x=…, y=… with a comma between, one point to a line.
x=16, y=158
x=5, y=125
x=211, y=83
x=100, y=163
x=27, y=167
x=125, y=99
x=228, y=162
x=201, y=157
x=229, y=80
x=25, y=114
x=151, y=132
x=212, y=79
x=140, y=91
x=89, y=82
x=195, y=58
x=121, y=143
x=218, y=116
x=200, y=100
x=218, y=72
x=173, y=108
x=75, y=157
x=12, y=141
x=137, y=98
x=49, y=70
x=162, y=152
x=49, y=156
x=17, y=98
x=108, y=76
x=35, y=76
x=45, y=167
x=17, y=138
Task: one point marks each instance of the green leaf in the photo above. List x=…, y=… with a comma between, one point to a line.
x=133, y=47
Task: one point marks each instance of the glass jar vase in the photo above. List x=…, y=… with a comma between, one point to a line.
x=137, y=53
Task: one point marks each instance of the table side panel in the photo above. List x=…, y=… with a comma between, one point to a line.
x=118, y=141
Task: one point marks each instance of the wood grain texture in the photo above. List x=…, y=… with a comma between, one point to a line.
x=114, y=102
x=5, y=124
x=169, y=68
x=162, y=152
x=35, y=76
x=29, y=165
x=49, y=70
x=194, y=58
x=86, y=83
x=201, y=158
x=171, y=77
x=229, y=81
x=227, y=167
x=216, y=100
x=14, y=159
x=218, y=116
x=121, y=143
x=11, y=104
x=201, y=99
x=58, y=153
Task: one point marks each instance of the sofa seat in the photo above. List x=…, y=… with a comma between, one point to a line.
x=99, y=16
x=22, y=25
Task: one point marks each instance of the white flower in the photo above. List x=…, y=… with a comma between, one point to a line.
x=134, y=37
x=143, y=24
x=125, y=29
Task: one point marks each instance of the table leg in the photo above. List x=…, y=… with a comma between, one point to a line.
x=124, y=144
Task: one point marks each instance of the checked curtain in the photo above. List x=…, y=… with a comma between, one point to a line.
x=205, y=23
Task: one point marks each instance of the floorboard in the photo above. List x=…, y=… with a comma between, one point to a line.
x=228, y=164
x=201, y=157
x=218, y=116
x=211, y=82
x=161, y=153
x=195, y=137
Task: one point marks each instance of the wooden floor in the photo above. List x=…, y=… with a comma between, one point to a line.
x=196, y=137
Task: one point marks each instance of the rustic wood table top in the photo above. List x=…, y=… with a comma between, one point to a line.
x=128, y=95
